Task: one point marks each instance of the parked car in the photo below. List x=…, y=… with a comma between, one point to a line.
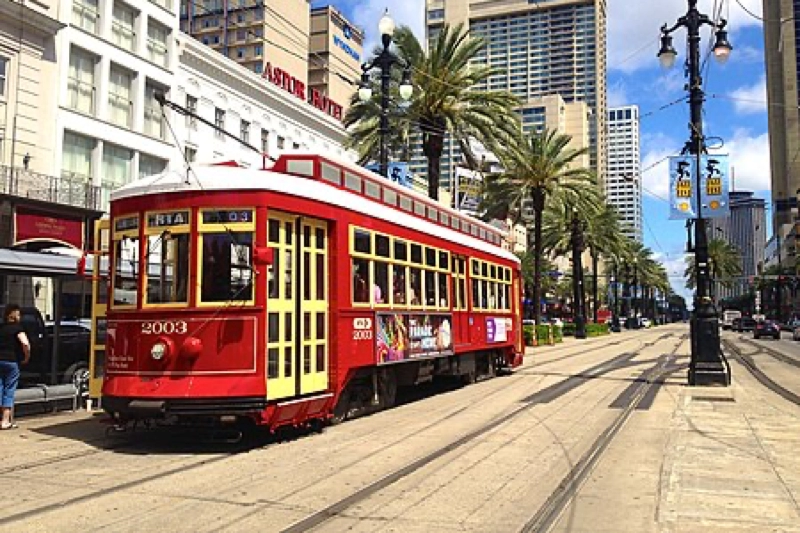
x=645, y=322
x=796, y=334
x=73, y=349
x=744, y=324
x=791, y=324
x=767, y=328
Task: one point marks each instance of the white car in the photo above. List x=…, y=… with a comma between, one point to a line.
x=645, y=322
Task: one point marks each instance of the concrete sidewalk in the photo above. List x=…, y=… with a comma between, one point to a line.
x=698, y=459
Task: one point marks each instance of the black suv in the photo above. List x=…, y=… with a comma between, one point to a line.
x=73, y=349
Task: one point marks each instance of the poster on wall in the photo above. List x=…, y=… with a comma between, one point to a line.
x=496, y=329
x=403, y=336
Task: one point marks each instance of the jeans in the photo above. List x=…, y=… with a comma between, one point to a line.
x=9, y=377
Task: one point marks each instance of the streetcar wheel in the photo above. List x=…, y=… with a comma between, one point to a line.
x=388, y=392
x=341, y=409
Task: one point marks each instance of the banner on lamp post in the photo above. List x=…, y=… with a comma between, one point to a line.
x=398, y=173
x=682, y=201
x=714, y=186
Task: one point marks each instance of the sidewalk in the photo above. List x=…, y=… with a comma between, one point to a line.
x=698, y=459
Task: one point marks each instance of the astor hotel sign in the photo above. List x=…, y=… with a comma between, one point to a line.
x=290, y=84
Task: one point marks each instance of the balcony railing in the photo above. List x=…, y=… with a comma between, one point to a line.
x=68, y=189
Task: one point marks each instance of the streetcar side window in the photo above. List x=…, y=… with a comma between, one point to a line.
x=227, y=267
x=405, y=203
x=167, y=263
x=491, y=286
x=399, y=285
x=390, y=197
x=361, y=281
x=126, y=271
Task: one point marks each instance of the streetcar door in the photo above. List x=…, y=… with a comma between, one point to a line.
x=297, y=306
x=102, y=233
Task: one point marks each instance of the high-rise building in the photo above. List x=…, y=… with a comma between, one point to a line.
x=254, y=33
x=542, y=49
x=781, y=23
x=308, y=53
x=624, y=184
x=745, y=228
x=335, y=55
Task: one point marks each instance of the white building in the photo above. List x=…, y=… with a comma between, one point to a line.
x=113, y=56
x=624, y=185
x=249, y=107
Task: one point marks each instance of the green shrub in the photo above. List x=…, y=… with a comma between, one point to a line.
x=527, y=335
x=596, y=330
x=569, y=329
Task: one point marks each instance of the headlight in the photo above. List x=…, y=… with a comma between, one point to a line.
x=158, y=351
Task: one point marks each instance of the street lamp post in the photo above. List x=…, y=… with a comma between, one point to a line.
x=385, y=61
x=706, y=366
x=578, y=246
x=634, y=300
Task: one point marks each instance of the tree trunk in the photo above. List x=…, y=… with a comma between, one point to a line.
x=538, y=198
x=432, y=147
x=595, y=261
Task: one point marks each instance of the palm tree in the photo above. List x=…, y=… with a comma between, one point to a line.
x=724, y=260
x=535, y=166
x=445, y=101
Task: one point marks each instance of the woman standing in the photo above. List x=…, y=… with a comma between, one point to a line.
x=14, y=347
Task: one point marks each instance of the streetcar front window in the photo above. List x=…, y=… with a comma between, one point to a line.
x=167, y=268
x=227, y=267
x=126, y=271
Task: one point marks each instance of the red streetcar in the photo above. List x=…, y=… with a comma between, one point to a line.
x=309, y=291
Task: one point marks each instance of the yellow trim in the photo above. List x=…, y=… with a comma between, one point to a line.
x=149, y=231
x=223, y=227
x=99, y=310
x=390, y=260
x=493, y=284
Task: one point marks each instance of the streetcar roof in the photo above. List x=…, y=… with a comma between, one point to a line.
x=231, y=178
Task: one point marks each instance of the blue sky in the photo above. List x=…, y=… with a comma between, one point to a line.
x=735, y=109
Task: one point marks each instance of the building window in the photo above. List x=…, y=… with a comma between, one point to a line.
x=219, y=122
x=150, y=166
x=240, y=53
x=166, y=4
x=264, y=141
x=85, y=14
x=281, y=142
x=259, y=50
x=191, y=116
x=259, y=68
x=122, y=26
x=157, y=43
x=244, y=131
x=3, y=75
x=190, y=153
x=116, y=169
x=120, y=106
x=80, y=85
x=76, y=162
x=153, y=119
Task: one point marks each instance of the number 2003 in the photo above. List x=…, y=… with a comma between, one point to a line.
x=157, y=328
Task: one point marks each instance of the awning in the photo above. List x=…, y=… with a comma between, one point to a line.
x=21, y=263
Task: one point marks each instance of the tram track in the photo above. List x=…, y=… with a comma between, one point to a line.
x=760, y=376
x=543, y=396
x=775, y=354
x=550, y=512
x=546, y=395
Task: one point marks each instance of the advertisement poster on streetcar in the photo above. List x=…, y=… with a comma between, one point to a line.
x=402, y=336
x=497, y=329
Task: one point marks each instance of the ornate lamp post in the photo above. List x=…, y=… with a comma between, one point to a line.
x=706, y=367
x=385, y=61
x=578, y=246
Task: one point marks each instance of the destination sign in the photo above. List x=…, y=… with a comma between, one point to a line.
x=127, y=223
x=228, y=216
x=168, y=218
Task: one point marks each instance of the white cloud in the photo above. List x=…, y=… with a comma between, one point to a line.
x=752, y=99
x=633, y=41
x=655, y=167
x=749, y=159
x=617, y=95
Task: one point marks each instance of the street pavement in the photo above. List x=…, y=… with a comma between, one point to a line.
x=600, y=435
